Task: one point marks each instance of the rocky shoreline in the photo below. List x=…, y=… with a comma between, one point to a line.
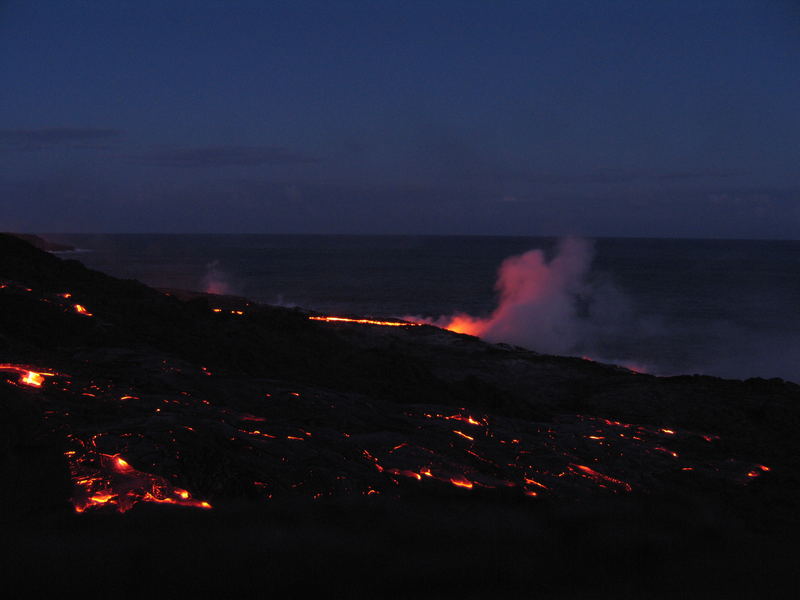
x=404, y=459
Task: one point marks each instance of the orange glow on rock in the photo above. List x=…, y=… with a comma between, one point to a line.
x=248, y=417
x=461, y=482
x=534, y=482
x=81, y=310
x=405, y=473
x=32, y=379
x=666, y=451
x=109, y=480
x=102, y=498
x=601, y=478
x=466, y=324
x=27, y=377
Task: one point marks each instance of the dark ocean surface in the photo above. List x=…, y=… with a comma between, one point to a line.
x=727, y=308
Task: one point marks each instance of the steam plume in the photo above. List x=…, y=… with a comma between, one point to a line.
x=548, y=306
x=215, y=281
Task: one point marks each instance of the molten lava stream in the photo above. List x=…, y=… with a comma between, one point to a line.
x=116, y=482
x=27, y=376
x=81, y=310
x=364, y=321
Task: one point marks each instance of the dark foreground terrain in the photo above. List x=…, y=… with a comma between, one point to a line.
x=178, y=444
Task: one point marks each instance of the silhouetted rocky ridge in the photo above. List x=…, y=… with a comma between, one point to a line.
x=42, y=243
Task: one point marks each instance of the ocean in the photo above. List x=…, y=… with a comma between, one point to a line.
x=729, y=308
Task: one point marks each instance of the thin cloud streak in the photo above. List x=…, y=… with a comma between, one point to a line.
x=56, y=135
x=223, y=156
x=613, y=176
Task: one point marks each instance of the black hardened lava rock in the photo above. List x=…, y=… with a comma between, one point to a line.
x=33, y=470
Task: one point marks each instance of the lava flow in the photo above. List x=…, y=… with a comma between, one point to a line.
x=429, y=445
x=365, y=321
x=27, y=376
x=81, y=310
x=103, y=479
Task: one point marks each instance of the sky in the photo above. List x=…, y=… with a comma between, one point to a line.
x=599, y=118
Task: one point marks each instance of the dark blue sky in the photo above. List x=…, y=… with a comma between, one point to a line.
x=597, y=118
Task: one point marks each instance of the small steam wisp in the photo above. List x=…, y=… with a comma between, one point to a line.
x=215, y=280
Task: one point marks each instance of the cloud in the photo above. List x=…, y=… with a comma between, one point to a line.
x=36, y=138
x=514, y=181
x=224, y=156
x=699, y=174
x=617, y=176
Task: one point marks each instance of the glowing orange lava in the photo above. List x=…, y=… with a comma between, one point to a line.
x=113, y=481
x=26, y=376
x=461, y=482
x=467, y=325
x=601, y=478
x=534, y=482
x=81, y=310
x=364, y=321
